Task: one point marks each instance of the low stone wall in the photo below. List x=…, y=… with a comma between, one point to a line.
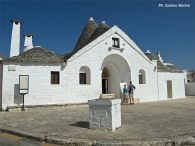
x=190, y=89
x=46, y=107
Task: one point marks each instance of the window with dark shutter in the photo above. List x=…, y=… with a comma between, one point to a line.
x=55, y=77
x=140, y=79
x=82, y=78
x=115, y=42
x=142, y=76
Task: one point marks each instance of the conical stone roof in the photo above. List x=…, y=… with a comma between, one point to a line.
x=102, y=28
x=89, y=28
x=38, y=54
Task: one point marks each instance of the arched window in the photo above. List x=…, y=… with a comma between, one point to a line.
x=84, y=75
x=142, y=77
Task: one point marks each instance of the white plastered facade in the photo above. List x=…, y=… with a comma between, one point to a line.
x=124, y=64
x=178, y=84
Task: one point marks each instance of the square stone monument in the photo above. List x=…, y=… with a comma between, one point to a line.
x=104, y=114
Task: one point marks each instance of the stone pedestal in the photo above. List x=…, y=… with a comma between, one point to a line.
x=104, y=114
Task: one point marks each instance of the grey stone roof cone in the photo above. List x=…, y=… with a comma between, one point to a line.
x=89, y=28
x=101, y=29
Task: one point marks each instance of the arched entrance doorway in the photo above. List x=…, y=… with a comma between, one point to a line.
x=105, y=76
x=114, y=69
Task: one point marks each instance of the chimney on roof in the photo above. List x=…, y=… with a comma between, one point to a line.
x=15, y=38
x=159, y=57
x=28, y=42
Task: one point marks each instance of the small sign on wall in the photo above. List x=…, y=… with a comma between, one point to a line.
x=23, y=84
x=12, y=68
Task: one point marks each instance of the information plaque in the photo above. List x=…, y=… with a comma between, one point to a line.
x=23, y=84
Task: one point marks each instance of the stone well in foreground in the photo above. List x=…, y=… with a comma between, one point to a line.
x=104, y=114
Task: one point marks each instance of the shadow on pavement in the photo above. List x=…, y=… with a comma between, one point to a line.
x=82, y=124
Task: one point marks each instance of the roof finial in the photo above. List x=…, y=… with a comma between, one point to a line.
x=148, y=51
x=91, y=19
x=103, y=22
x=159, y=57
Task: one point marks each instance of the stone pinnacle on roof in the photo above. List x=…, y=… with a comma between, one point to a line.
x=89, y=28
x=91, y=19
x=148, y=51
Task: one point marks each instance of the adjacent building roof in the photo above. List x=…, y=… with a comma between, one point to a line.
x=161, y=66
x=172, y=67
x=1, y=56
x=191, y=76
x=38, y=54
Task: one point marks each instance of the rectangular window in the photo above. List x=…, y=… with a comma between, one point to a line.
x=115, y=42
x=55, y=77
x=82, y=78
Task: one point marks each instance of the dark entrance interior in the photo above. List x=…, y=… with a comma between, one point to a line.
x=104, y=86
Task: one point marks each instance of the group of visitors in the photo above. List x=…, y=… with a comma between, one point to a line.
x=128, y=94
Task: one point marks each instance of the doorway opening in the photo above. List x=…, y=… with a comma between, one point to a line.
x=104, y=86
x=114, y=69
x=169, y=89
x=105, y=75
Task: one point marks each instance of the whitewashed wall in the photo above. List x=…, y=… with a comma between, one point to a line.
x=40, y=88
x=127, y=63
x=190, y=89
x=1, y=70
x=123, y=65
x=178, y=85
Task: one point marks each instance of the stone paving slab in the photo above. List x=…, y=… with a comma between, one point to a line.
x=169, y=122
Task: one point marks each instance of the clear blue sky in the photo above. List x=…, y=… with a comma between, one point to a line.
x=57, y=25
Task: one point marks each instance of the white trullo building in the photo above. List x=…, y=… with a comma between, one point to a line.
x=101, y=59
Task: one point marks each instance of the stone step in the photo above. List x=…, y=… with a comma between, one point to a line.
x=46, y=107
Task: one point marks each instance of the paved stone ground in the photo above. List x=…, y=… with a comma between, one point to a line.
x=170, y=122
x=13, y=140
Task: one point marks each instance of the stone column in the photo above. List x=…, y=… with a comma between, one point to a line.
x=104, y=114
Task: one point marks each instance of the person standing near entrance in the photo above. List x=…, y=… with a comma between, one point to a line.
x=126, y=95
x=131, y=88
